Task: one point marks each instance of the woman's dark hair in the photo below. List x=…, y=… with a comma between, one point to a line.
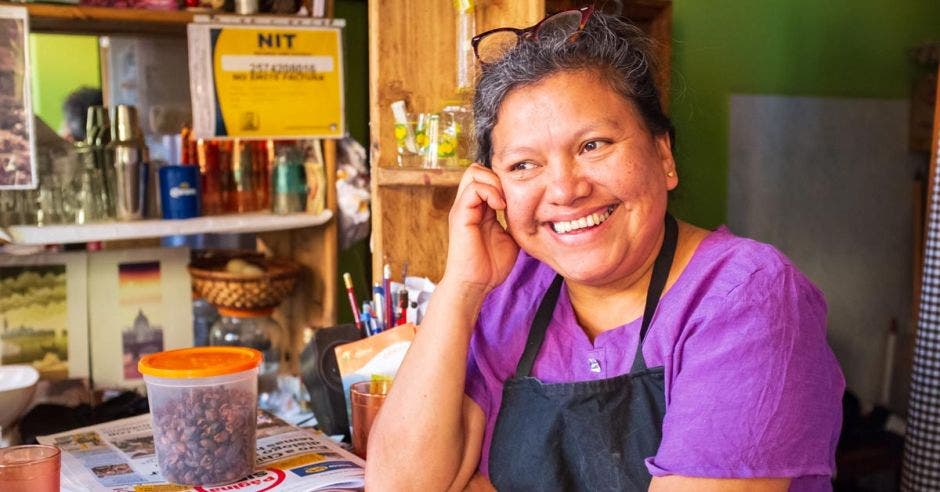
x=617, y=50
x=76, y=107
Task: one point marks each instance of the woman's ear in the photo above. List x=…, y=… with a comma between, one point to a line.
x=664, y=149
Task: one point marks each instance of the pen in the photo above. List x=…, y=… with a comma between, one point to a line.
x=369, y=318
x=378, y=297
x=387, y=290
x=402, y=306
x=364, y=319
x=347, y=279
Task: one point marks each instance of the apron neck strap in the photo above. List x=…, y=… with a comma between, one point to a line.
x=546, y=307
x=537, y=331
x=657, y=283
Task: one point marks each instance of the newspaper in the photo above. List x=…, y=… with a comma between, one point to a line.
x=119, y=456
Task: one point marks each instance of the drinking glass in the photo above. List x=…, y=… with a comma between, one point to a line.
x=367, y=398
x=31, y=468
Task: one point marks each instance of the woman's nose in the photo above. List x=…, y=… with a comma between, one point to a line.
x=567, y=183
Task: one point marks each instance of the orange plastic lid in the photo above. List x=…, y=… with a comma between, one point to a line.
x=199, y=362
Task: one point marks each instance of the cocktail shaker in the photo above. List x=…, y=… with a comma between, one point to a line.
x=128, y=155
x=97, y=170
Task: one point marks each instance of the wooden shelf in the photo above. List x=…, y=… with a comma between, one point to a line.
x=140, y=229
x=103, y=20
x=394, y=176
x=76, y=19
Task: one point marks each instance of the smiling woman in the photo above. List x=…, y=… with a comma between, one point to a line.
x=595, y=342
x=584, y=152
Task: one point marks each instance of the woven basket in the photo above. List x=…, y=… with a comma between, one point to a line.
x=237, y=291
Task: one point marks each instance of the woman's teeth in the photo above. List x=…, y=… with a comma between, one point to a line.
x=587, y=221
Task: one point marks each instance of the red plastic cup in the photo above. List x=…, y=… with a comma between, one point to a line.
x=32, y=468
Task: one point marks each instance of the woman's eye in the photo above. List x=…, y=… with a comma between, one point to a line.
x=593, y=145
x=521, y=166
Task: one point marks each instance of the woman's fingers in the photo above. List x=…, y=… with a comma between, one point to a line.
x=475, y=203
x=478, y=186
x=476, y=173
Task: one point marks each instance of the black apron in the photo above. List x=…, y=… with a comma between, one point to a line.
x=591, y=435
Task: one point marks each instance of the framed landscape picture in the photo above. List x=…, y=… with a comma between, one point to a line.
x=43, y=313
x=141, y=303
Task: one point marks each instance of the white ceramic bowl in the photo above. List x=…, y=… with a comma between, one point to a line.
x=17, y=384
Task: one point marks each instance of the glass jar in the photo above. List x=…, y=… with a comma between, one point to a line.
x=254, y=329
x=204, y=316
x=456, y=136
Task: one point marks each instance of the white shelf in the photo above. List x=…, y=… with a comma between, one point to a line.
x=112, y=231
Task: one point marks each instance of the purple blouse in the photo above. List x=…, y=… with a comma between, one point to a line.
x=752, y=387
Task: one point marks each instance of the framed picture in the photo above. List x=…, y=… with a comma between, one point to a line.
x=17, y=140
x=43, y=316
x=140, y=302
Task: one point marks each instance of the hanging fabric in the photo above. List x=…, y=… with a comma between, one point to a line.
x=921, y=467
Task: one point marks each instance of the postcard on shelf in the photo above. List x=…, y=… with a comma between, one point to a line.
x=140, y=304
x=18, y=149
x=43, y=317
x=260, y=80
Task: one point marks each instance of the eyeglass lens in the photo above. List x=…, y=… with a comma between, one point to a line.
x=495, y=45
x=558, y=26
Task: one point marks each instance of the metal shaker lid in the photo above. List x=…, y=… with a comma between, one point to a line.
x=124, y=124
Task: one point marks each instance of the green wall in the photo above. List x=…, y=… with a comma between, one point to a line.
x=841, y=48
x=60, y=64
x=356, y=259
x=356, y=49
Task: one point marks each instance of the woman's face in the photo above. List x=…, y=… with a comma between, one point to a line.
x=585, y=182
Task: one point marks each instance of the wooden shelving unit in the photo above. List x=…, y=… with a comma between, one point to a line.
x=98, y=20
x=308, y=240
x=416, y=62
x=390, y=176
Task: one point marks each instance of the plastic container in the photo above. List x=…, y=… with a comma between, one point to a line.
x=203, y=402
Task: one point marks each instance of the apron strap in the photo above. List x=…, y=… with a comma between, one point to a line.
x=657, y=283
x=537, y=332
x=543, y=315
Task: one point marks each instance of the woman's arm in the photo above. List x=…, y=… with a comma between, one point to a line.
x=428, y=434
x=675, y=483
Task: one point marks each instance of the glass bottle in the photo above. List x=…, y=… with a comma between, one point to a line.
x=207, y=154
x=243, y=176
x=255, y=329
x=289, y=190
x=227, y=188
x=204, y=316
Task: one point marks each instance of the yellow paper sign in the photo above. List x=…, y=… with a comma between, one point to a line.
x=274, y=81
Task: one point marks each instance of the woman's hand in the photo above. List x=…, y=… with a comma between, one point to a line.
x=480, y=253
